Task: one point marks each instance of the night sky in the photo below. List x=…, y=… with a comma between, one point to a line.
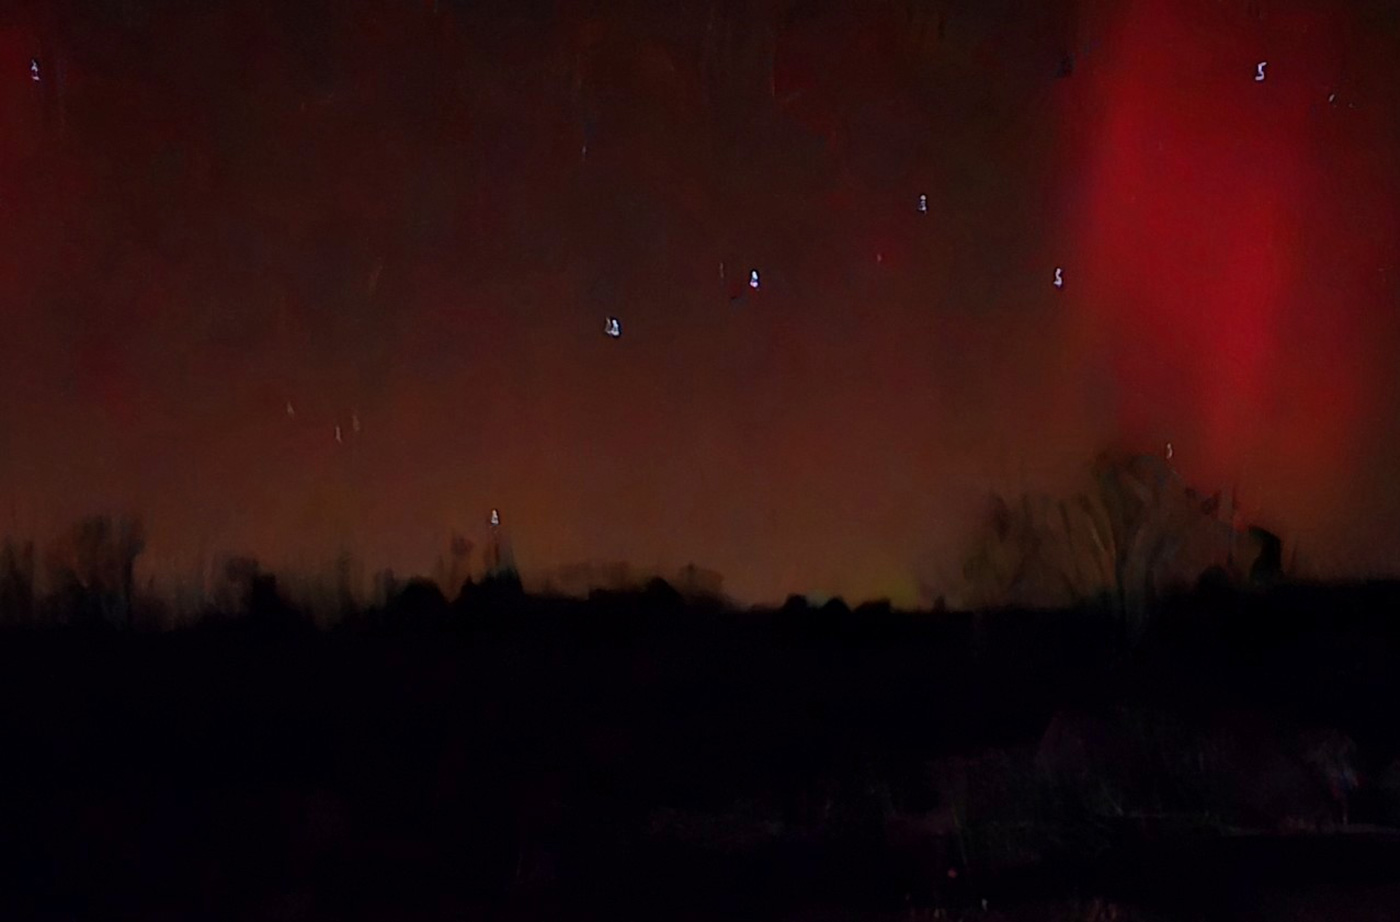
x=411, y=220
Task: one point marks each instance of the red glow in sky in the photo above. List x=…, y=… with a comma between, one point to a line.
x=385, y=212
x=1236, y=239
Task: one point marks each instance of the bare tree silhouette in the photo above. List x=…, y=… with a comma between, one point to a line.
x=1134, y=534
x=92, y=568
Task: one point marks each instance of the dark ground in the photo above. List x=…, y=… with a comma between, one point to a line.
x=636, y=756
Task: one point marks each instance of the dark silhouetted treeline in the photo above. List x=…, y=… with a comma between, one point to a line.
x=639, y=752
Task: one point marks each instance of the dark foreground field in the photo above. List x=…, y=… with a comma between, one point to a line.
x=637, y=757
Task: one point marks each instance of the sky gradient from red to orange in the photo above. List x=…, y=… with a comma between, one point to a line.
x=384, y=211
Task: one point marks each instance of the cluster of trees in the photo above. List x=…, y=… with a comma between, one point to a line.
x=90, y=574
x=1133, y=536
x=1136, y=534
x=87, y=577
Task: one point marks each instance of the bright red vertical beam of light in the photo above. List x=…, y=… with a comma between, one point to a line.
x=1196, y=200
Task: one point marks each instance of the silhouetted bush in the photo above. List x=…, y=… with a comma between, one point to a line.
x=662, y=595
x=419, y=604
